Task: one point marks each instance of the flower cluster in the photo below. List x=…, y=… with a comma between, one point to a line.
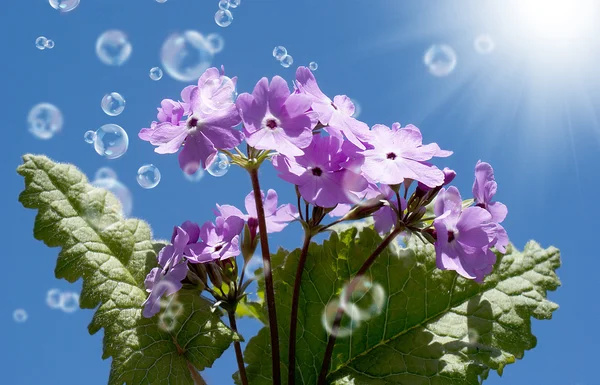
x=337, y=164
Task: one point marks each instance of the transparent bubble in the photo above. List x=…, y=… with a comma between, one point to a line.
x=186, y=56
x=105, y=173
x=196, y=176
x=216, y=42
x=484, y=44
x=219, y=166
x=364, y=301
x=113, y=48
x=89, y=136
x=156, y=73
x=44, y=120
x=148, y=176
x=20, y=315
x=440, y=59
x=64, y=5
x=217, y=94
x=113, y=104
x=357, y=109
x=352, y=182
x=279, y=52
x=287, y=61
x=111, y=141
x=167, y=322
x=40, y=43
x=119, y=190
x=69, y=301
x=49, y=44
x=347, y=326
x=223, y=17
x=254, y=268
x=53, y=298
x=234, y=3
x=161, y=1
x=224, y=4
x=313, y=66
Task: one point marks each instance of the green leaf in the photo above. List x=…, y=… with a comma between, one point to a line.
x=435, y=327
x=113, y=256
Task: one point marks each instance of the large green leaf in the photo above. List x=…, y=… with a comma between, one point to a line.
x=435, y=328
x=113, y=256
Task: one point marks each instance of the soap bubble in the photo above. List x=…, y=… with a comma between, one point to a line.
x=223, y=17
x=44, y=120
x=364, y=301
x=347, y=326
x=254, y=268
x=53, y=298
x=156, y=73
x=216, y=42
x=279, y=52
x=49, y=44
x=440, y=59
x=217, y=94
x=64, y=5
x=119, y=190
x=219, y=166
x=224, y=4
x=69, y=301
x=484, y=44
x=234, y=3
x=20, y=315
x=113, y=48
x=186, y=56
x=40, y=43
x=89, y=136
x=105, y=173
x=287, y=61
x=148, y=176
x=113, y=104
x=357, y=109
x=111, y=141
x=161, y=1
x=313, y=66
x=196, y=176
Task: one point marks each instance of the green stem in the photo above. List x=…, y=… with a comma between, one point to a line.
x=238, y=349
x=294, y=315
x=338, y=317
x=270, y=293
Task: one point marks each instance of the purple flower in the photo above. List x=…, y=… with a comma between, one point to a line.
x=274, y=119
x=464, y=237
x=209, y=125
x=220, y=240
x=449, y=176
x=385, y=218
x=335, y=114
x=277, y=218
x=484, y=189
x=399, y=154
x=166, y=279
x=319, y=173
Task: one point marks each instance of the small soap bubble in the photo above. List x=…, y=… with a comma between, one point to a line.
x=440, y=59
x=216, y=42
x=89, y=136
x=113, y=104
x=105, y=173
x=190, y=174
x=186, y=56
x=40, y=43
x=224, y=5
x=49, y=44
x=69, y=301
x=113, y=48
x=53, y=298
x=223, y=17
x=279, y=52
x=287, y=61
x=156, y=73
x=364, y=301
x=148, y=176
x=161, y=1
x=219, y=166
x=64, y=5
x=20, y=315
x=234, y=3
x=347, y=326
x=357, y=108
x=111, y=141
x=484, y=44
x=167, y=321
x=313, y=66
x=119, y=190
x=254, y=268
x=44, y=120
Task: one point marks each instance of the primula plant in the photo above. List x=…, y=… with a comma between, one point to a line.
x=414, y=285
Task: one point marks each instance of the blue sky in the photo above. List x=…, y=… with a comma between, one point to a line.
x=530, y=108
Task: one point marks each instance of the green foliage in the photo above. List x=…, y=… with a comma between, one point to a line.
x=435, y=327
x=113, y=255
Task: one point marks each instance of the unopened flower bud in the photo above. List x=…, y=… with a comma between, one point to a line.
x=229, y=269
x=365, y=209
x=250, y=241
x=214, y=274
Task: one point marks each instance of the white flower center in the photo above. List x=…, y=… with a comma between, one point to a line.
x=193, y=124
x=271, y=123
